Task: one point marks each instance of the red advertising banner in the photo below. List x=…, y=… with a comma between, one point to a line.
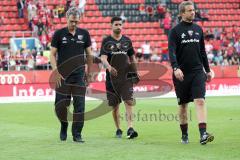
x=35, y=83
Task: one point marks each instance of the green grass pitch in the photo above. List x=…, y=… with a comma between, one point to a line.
x=31, y=131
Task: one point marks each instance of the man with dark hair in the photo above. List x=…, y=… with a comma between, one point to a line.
x=190, y=70
x=69, y=46
x=117, y=55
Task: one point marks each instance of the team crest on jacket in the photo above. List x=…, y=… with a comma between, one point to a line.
x=80, y=37
x=190, y=32
x=118, y=45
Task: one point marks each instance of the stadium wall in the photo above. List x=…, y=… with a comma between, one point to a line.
x=30, y=86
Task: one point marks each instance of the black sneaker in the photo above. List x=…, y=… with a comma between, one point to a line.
x=184, y=139
x=78, y=139
x=131, y=133
x=63, y=133
x=119, y=133
x=205, y=138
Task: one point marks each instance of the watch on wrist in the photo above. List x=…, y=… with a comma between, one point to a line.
x=175, y=68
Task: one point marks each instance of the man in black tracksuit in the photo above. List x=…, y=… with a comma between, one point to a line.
x=117, y=55
x=70, y=45
x=190, y=69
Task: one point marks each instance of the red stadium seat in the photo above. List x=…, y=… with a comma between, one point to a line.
x=56, y=20
x=6, y=21
x=4, y=41
x=20, y=20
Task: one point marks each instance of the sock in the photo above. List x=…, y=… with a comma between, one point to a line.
x=202, y=128
x=184, y=129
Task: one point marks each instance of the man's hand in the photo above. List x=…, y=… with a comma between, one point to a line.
x=209, y=76
x=58, y=78
x=179, y=74
x=112, y=70
x=88, y=78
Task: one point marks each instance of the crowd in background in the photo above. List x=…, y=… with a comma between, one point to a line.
x=222, y=44
x=23, y=59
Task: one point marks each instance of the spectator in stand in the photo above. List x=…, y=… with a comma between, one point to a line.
x=8, y=53
x=139, y=54
x=237, y=47
x=34, y=54
x=4, y=61
x=24, y=59
x=48, y=14
x=218, y=59
x=224, y=42
x=31, y=63
x=61, y=11
x=35, y=20
x=50, y=32
x=30, y=10
x=150, y=11
x=216, y=46
x=164, y=52
x=81, y=6
x=225, y=57
x=146, y=47
x=40, y=26
x=44, y=40
x=208, y=47
x=18, y=57
x=235, y=33
x=1, y=60
x=167, y=23
x=20, y=7
x=34, y=9
x=204, y=15
x=34, y=29
x=68, y=2
x=234, y=60
x=160, y=11
x=94, y=47
x=55, y=13
x=41, y=12
x=197, y=15
x=230, y=52
x=209, y=51
x=209, y=35
x=223, y=33
x=216, y=33
x=142, y=9
x=155, y=56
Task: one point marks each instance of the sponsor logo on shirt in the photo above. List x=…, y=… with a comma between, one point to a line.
x=80, y=42
x=190, y=41
x=183, y=35
x=64, y=40
x=119, y=52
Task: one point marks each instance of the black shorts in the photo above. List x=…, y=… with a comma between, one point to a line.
x=146, y=56
x=193, y=86
x=119, y=91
